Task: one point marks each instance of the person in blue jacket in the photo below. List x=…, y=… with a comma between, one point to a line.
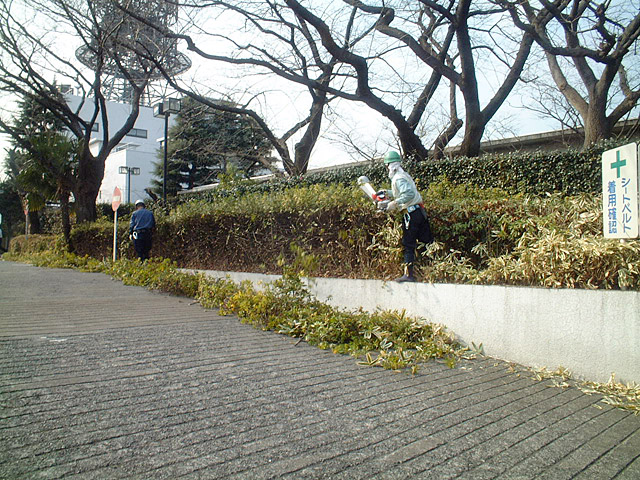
x=141, y=230
x=405, y=197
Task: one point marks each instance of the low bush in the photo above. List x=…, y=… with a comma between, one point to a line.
x=156, y=274
x=57, y=259
x=35, y=243
x=570, y=172
x=385, y=338
x=564, y=259
x=482, y=236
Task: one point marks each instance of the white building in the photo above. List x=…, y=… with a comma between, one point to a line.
x=138, y=149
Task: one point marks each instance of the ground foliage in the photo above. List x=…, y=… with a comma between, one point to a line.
x=389, y=339
x=625, y=396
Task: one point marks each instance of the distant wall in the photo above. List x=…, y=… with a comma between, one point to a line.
x=593, y=333
x=557, y=140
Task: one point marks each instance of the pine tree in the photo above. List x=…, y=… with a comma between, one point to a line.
x=204, y=143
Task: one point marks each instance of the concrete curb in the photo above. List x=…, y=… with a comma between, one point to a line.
x=593, y=333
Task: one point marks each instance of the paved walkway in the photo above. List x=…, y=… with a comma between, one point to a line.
x=103, y=381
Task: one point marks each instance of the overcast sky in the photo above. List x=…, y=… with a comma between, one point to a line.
x=282, y=104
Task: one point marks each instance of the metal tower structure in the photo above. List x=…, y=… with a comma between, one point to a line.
x=123, y=44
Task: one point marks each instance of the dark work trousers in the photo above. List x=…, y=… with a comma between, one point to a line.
x=415, y=227
x=142, y=243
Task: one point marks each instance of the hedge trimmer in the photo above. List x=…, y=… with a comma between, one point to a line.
x=379, y=198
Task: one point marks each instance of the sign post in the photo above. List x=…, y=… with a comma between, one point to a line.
x=115, y=203
x=620, y=202
x=26, y=219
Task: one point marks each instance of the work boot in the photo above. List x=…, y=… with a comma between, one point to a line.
x=408, y=275
x=405, y=278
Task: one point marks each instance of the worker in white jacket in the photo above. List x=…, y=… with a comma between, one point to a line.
x=405, y=196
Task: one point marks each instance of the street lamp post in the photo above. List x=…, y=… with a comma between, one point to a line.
x=129, y=171
x=164, y=109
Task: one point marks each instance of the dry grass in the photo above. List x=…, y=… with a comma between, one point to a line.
x=618, y=395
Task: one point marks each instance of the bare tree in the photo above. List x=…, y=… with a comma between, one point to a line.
x=546, y=100
x=303, y=62
x=320, y=52
x=32, y=65
x=429, y=45
x=598, y=38
x=469, y=28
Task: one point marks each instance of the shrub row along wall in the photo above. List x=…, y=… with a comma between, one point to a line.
x=568, y=172
x=483, y=236
x=337, y=238
x=341, y=233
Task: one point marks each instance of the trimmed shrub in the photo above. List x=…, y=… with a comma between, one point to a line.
x=489, y=227
x=35, y=244
x=568, y=172
x=482, y=236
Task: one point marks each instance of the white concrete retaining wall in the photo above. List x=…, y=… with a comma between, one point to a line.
x=593, y=333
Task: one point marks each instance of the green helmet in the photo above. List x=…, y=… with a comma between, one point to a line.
x=391, y=157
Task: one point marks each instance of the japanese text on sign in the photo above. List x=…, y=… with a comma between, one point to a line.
x=620, y=192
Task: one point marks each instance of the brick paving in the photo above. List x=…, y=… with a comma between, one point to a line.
x=103, y=381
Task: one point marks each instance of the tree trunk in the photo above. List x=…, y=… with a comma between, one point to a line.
x=303, y=149
x=445, y=137
x=597, y=126
x=86, y=205
x=66, y=223
x=34, y=223
x=474, y=125
x=412, y=146
x=470, y=146
x=90, y=175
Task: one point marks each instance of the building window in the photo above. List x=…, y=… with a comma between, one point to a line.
x=137, y=132
x=125, y=146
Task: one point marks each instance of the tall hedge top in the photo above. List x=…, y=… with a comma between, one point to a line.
x=566, y=172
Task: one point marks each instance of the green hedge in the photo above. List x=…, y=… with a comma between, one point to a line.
x=567, y=172
x=484, y=236
x=335, y=223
